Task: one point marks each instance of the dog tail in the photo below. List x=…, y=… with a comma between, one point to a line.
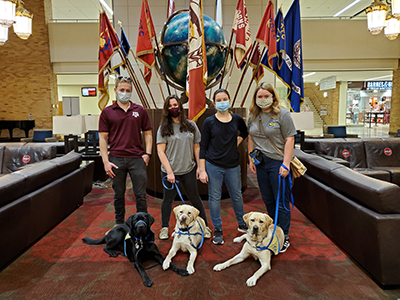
x=90, y=241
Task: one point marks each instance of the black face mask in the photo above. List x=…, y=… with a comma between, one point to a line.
x=174, y=111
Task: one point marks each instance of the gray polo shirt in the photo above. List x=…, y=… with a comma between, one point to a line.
x=277, y=129
x=179, y=148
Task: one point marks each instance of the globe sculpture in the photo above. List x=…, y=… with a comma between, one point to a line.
x=174, y=49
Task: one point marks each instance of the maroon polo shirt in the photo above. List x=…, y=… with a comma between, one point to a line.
x=124, y=129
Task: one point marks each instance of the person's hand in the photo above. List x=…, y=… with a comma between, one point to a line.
x=283, y=172
x=146, y=159
x=252, y=167
x=203, y=177
x=108, y=168
x=198, y=173
x=171, y=177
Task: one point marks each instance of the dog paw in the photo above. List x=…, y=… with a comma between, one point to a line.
x=251, y=281
x=166, y=264
x=183, y=272
x=190, y=270
x=218, y=267
x=147, y=282
x=237, y=239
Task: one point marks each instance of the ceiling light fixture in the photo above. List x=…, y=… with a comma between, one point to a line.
x=309, y=74
x=12, y=12
x=381, y=77
x=346, y=8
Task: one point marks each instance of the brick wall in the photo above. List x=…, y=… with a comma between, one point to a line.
x=312, y=91
x=28, y=84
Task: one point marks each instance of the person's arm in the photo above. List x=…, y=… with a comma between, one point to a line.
x=239, y=140
x=103, y=140
x=165, y=162
x=287, y=156
x=148, y=141
x=243, y=132
x=250, y=147
x=205, y=139
x=203, y=173
x=196, y=150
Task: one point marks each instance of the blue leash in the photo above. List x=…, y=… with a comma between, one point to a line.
x=173, y=186
x=290, y=183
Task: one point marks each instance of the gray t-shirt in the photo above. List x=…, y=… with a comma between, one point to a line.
x=277, y=129
x=179, y=148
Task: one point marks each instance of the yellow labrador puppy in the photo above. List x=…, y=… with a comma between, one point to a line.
x=258, y=237
x=188, y=235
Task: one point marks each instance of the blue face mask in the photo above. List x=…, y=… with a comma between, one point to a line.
x=124, y=97
x=222, y=106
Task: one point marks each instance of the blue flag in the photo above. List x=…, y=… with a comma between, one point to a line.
x=125, y=43
x=288, y=65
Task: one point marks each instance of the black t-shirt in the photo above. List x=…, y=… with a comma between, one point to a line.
x=219, y=141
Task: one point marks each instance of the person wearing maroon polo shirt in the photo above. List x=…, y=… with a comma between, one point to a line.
x=120, y=126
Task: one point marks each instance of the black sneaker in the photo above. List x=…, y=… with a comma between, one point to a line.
x=242, y=228
x=286, y=244
x=217, y=239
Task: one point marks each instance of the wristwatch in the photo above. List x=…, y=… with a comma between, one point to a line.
x=148, y=154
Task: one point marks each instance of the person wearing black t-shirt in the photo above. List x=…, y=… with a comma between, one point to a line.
x=219, y=160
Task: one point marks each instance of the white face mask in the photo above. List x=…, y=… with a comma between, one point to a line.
x=124, y=97
x=264, y=103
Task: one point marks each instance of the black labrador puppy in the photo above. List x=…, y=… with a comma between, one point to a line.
x=135, y=240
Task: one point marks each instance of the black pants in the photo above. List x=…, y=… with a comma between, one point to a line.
x=189, y=183
x=136, y=167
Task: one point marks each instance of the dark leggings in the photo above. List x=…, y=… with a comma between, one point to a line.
x=189, y=183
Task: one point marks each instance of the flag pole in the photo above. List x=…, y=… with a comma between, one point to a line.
x=244, y=72
x=252, y=77
x=226, y=59
x=134, y=80
x=147, y=85
x=159, y=84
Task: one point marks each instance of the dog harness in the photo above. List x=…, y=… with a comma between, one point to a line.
x=272, y=246
x=138, y=241
x=187, y=232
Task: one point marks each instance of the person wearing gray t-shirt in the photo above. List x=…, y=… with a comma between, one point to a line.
x=271, y=132
x=178, y=145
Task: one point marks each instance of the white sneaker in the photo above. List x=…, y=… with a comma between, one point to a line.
x=207, y=233
x=163, y=233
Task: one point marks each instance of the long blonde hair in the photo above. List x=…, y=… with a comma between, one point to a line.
x=255, y=110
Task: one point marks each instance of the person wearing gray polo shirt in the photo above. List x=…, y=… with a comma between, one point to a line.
x=271, y=128
x=177, y=147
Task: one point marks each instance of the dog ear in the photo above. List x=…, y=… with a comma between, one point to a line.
x=196, y=212
x=151, y=219
x=268, y=219
x=175, y=210
x=246, y=218
x=129, y=221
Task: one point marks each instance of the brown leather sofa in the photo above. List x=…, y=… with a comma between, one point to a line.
x=37, y=191
x=378, y=158
x=359, y=213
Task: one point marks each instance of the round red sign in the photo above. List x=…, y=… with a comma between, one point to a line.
x=26, y=158
x=387, y=151
x=346, y=153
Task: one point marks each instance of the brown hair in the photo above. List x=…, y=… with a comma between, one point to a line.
x=255, y=110
x=166, y=119
x=121, y=79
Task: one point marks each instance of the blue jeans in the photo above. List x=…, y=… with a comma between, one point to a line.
x=231, y=177
x=136, y=167
x=268, y=182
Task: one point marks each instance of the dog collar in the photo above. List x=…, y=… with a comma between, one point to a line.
x=273, y=245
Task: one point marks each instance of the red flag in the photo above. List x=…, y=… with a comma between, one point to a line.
x=243, y=35
x=108, y=42
x=197, y=61
x=171, y=8
x=144, y=48
x=255, y=61
x=147, y=74
x=266, y=34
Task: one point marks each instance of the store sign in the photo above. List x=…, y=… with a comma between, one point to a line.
x=378, y=85
x=323, y=110
x=327, y=83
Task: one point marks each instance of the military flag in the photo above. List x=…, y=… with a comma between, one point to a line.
x=266, y=32
x=144, y=48
x=171, y=8
x=241, y=28
x=197, y=61
x=108, y=43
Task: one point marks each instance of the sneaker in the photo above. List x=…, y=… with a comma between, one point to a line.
x=242, y=228
x=217, y=239
x=286, y=244
x=163, y=233
x=207, y=233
